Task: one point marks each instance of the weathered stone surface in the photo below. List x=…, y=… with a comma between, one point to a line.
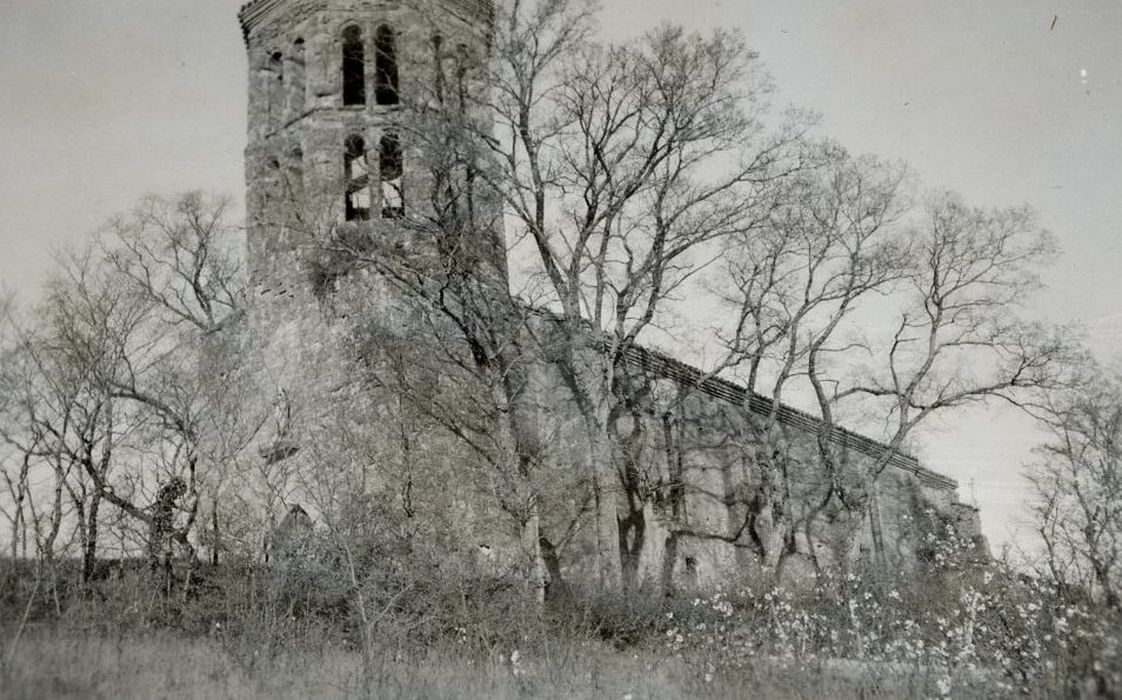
x=688, y=527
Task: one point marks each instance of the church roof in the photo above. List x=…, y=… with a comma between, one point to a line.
x=254, y=12
x=663, y=365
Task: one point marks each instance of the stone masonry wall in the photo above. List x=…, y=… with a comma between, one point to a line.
x=689, y=523
x=698, y=484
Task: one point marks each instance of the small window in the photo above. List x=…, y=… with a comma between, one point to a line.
x=390, y=169
x=357, y=174
x=385, y=67
x=354, y=66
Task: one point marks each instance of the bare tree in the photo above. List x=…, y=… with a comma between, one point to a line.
x=16, y=463
x=57, y=419
x=176, y=259
x=618, y=164
x=113, y=393
x=1077, y=506
x=179, y=254
x=478, y=397
x=618, y=170
x=833, y=241
x=957, y=341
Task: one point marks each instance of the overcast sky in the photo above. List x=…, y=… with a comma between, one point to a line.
x=1006, y=101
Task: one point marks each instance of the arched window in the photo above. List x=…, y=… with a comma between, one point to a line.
x=295, y=92
x=385, y=66
x=357, y=174
x=354, y=66
x=390, y=169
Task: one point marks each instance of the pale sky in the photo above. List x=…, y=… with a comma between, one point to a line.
x=1006, y=101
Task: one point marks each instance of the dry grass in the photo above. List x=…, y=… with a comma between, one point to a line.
x=60, y=665
x=980, y=635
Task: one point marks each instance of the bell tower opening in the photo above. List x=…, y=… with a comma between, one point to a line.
x=385, y=66
x=354, y=66
x=390, y=170
x=356, y=206
x=332, y=90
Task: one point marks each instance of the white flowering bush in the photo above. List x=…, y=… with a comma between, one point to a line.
x=1013, y=633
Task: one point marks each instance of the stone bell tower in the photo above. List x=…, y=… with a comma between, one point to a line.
x=333, y=87
x=341, y=93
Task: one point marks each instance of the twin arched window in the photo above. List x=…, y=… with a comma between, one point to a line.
x=385, y=66
x=362, y=184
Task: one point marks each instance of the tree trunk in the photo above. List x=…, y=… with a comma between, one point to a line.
x=214, y=534
x=604, y=487
x=876, y=530
x=531, y=545
x=89, y=552
x=669, y=559
x=632, y=539
x=518, y=455
x=588, y=374
x=772, y=532
x=552, y=564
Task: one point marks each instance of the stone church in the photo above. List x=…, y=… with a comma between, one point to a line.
x=331, y=86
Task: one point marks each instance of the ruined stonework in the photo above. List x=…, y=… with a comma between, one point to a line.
x=321, y=162
x=685, y=438
x=299, y=332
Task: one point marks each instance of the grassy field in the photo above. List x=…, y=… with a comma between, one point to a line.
x=979, y=635
x=51, y=664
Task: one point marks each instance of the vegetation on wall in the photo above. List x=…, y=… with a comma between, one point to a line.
x=145, y=484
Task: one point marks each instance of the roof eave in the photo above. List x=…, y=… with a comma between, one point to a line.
x=254, y=12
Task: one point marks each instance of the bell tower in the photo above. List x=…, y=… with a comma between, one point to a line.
x=334, y=86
